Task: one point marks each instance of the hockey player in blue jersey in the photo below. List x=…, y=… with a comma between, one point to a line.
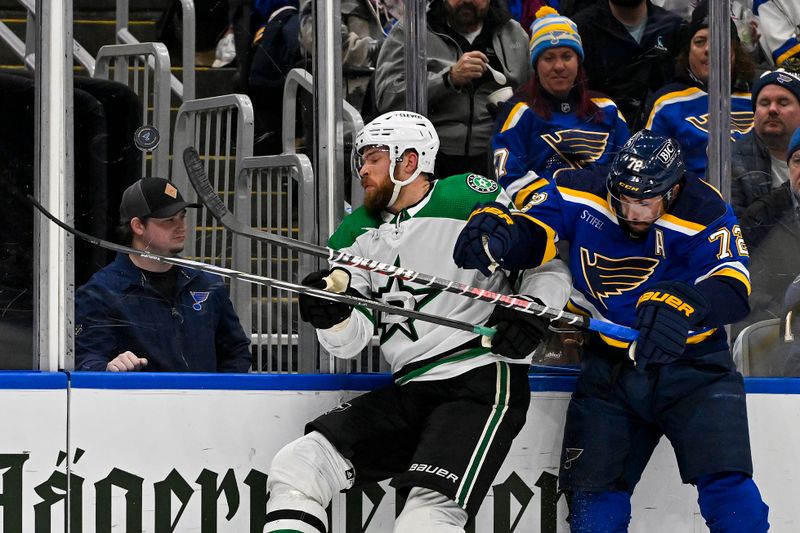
x=657, y=249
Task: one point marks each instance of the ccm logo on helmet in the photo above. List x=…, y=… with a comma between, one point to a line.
x=669, y=299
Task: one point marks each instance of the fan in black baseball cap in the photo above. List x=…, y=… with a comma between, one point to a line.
x=151, y=198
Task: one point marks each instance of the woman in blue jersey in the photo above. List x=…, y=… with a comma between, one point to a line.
x=554, y=122
x=680, y=108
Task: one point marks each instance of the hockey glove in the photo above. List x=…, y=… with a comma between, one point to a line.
x=488, y=236
x=518, y=334
x=664, y=316
x=321, y=313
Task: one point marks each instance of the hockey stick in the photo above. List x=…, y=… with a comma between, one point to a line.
x=262, y=280
x=208, y=196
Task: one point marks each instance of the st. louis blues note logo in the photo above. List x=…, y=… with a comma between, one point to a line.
x=570, y=455
x=577, y=147
x=606, y=276
x=199, y=298
x=741, y=122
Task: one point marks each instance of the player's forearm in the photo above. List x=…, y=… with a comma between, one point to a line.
x=347, y=340
x=728, y=301
x=551, y=283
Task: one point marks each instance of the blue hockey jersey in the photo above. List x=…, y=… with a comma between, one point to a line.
x=698, y=242
x=527, y=146
x=681, y=112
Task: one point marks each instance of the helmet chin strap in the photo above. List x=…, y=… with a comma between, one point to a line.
x=398, y=185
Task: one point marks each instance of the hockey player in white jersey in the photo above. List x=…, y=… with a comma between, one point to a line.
x=442, y=430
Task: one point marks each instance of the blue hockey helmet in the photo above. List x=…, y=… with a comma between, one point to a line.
x=647, y=166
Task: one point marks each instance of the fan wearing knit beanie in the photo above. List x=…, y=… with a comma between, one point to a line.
x=758, y=159
x=554, y=123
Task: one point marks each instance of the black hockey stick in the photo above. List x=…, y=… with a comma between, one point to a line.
x=262, y=280
x=208, y=196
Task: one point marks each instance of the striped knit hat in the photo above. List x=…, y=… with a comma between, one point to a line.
x=551, y=30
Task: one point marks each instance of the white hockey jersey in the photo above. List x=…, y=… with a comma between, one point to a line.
x=422, y=238
x=779, y=25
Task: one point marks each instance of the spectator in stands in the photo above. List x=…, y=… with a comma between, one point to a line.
x=631, y=46
x=570, y=8
x=779, y=21
x=465, y=39
x=276, y=51
x=771, y=228
x=554, y=122
x=365, y=24
x=682, y=8
x=524, y=11
x=790, y=329
x=680, y=109
x=758, y=159
x=444, y=426
x=140, y=314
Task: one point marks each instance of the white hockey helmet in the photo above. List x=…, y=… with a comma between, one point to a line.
x=398, y=131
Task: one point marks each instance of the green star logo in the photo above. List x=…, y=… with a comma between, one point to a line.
x=481, y=184
x=402, y=294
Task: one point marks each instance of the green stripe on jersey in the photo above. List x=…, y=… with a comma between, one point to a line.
x=469, y=354
x=489, y=431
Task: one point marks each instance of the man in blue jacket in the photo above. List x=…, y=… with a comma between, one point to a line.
x=139, y=314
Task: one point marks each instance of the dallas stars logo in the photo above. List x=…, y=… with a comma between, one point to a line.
x=481, y=184
x=401, y=294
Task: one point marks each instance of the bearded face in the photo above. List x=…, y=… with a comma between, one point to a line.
x=466, y=16
x=377, y=195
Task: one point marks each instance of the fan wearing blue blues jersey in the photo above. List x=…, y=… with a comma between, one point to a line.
x=655, y=248
x=680, y=108
x=554, y=122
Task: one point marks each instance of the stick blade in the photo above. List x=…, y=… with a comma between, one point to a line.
x=199, y=180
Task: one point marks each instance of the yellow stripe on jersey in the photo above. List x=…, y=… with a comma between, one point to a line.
x=521, y=197
x=593, y=198
x=573, y=308
x=787, y=54
x=693, y=339
x=550, y=247
x=672, y=219
x=735, y=274
x=603, y=102
x=692, y=92
x=607, y=102
x=700, y=337
x=614, y=342
x=513, y=116
x=704, y=182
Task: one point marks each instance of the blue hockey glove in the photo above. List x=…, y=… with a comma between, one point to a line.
x=664, y=316
x=490, y=228
x=321, y=313
x=518, y=334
